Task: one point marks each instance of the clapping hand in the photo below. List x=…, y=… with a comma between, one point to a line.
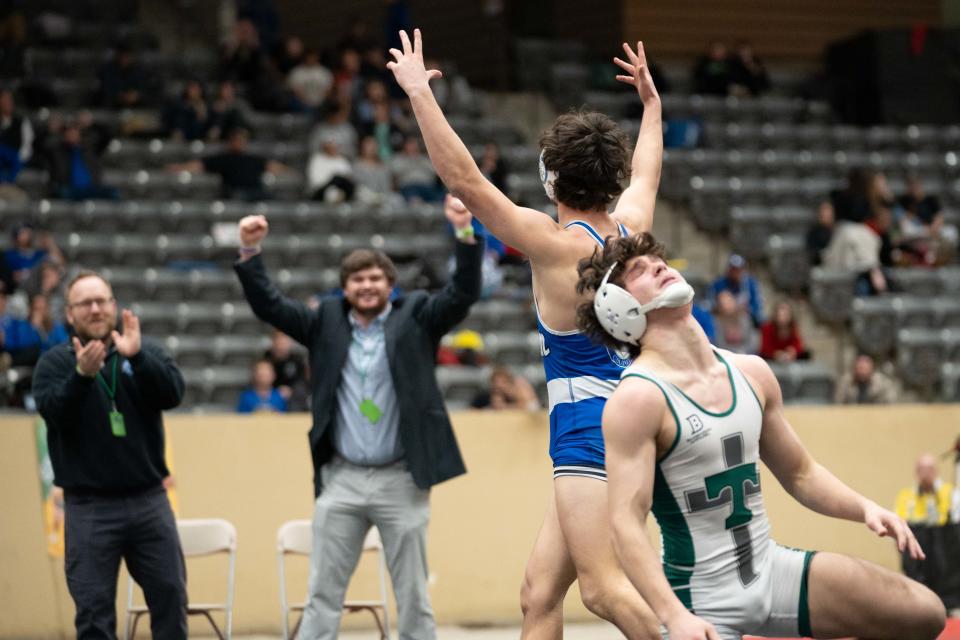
x=128, y=344
x=89, y=356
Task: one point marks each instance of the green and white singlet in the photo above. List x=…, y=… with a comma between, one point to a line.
x=716, y=547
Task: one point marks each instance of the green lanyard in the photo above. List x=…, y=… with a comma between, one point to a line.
x=368, y=408
x=117, y=425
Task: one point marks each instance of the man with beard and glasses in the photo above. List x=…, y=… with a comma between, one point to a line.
x=102, y=396
x=381, y=436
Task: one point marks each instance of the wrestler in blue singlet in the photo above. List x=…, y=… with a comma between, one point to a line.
x=581, y=375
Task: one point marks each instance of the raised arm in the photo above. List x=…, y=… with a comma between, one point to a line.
x=521, y=228
x=267, y=302
x=632, y=420
x=804, y=478
x=635, y=207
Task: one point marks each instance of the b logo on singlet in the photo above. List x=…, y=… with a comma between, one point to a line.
x=544, y=349
x=620, y=357
x=697, y=430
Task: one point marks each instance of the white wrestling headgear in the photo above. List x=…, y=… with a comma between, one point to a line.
x=622, y=315
x=547, y=177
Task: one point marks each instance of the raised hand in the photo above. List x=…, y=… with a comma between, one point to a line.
x=456, y=212
x=90, y=357
x=407, y=66
x=128, y=344
x=885, y=523
x=639, y=74
x=253, y=229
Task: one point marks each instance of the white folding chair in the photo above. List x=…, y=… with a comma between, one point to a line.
x=296, y=537
x=198, y=537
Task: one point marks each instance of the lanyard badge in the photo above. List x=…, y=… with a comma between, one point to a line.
x=117, y=425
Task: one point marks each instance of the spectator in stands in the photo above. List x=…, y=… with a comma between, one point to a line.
x=289, y=54
x=226, y=112
x=748, y=75
x=507, y=391
x=467, y=346
x=347, y=82
x=47, y=280
x=375, y=94
x=414, y=175
x=13, y=39
x=261, y=395
x=855, y=248
x=881, y=224
x=384, y=130
x=16, y=147
x=370, y=174
x=35, y=335
x=241, y=172
x=377, y=415
x=241, y=59
x=336, y=127
x=820, y=234
x=330, y=175
x=29, y=249
x=493, y=166
x=7, y=319
x=927, y=502
x=780, y=337
x=711, y=75
x=925, y=238
x=743, y=286
x=75, y=168
x=188, y=118
x=122, y=80
x=852, y=204
x=290, y=371
x=865, y=385
x=734, y=329
x=310, y=81
x=451, y=90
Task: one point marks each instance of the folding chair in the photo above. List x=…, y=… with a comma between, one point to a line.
x=296, y=537
x=198, y=537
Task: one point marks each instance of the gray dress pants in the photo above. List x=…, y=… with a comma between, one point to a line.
x=353, y=499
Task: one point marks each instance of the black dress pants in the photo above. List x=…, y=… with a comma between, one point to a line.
x=140, y=529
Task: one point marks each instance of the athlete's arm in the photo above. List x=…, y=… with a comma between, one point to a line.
x=632, y=419
x=804, y=478
x=521, y=228
x=635, y=207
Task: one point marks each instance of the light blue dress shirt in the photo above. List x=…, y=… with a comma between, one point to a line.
x=366, y=376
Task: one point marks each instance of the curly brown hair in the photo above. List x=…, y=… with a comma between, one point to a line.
x=591, y=271
x=588, y=151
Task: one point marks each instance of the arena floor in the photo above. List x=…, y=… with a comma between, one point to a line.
x=586, y=631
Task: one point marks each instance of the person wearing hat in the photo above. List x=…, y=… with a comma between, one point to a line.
x=743, y=286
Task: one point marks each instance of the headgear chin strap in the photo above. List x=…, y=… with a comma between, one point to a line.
x=548, y=178
x=623, y=317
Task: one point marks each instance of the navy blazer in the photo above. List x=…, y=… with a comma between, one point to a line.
x=412, y=334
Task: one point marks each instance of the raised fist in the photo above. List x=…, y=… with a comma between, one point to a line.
x=253, y=229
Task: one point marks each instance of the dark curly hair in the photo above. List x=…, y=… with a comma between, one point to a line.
x=588, y=151
x=591, y=271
